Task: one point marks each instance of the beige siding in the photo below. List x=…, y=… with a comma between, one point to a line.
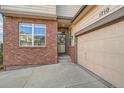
x=102, y=51
x=41, y=10
x=67, y=10
x=29, y=9
x=92, y=17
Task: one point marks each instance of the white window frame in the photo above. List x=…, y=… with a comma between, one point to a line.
x=32, y=36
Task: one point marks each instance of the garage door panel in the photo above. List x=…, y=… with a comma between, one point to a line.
x=102, y=51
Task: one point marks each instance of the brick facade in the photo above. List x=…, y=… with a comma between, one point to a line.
x=72, y=53
x=20, y=56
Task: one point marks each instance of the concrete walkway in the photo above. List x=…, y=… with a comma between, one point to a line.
x=64, y=74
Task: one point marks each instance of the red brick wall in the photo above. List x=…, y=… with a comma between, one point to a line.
x=72, y=53
x=19, y=56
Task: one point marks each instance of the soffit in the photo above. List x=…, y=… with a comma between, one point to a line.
x=46, y=11
x=65, y=13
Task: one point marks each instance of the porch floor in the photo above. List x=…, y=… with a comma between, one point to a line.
x=64, y=74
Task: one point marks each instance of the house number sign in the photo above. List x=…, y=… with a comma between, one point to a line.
x=103, y=12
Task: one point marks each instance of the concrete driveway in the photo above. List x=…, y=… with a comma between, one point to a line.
x=63, y=74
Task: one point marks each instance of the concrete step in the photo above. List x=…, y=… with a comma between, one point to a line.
x=64, y=59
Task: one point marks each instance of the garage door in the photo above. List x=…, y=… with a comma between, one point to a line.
x=102, y=52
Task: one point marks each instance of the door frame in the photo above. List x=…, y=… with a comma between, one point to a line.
x=63, y=44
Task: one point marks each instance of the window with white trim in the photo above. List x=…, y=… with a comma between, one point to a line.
x=32, y=35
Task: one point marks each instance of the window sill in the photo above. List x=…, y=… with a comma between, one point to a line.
x=32, y=47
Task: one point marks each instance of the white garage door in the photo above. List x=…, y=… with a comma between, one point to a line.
x=102, y=52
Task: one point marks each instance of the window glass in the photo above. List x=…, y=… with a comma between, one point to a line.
x=25, y=28
x=40, y=25
x=32, y=34
x=39, y=29
x=26, y=40
x=39, y=40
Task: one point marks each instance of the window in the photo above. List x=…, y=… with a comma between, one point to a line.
x=32, y=35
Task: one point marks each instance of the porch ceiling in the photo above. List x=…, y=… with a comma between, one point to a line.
x=64, y=23
x=66, y=13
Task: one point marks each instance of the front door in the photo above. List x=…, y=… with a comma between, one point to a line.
x=61, y=42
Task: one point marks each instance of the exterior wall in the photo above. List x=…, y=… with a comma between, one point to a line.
x=101, y=51
x=92, y=17
x=19, y=56
x=67, y=10
x=42, y=10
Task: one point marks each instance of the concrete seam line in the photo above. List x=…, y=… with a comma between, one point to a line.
x=28, y=78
